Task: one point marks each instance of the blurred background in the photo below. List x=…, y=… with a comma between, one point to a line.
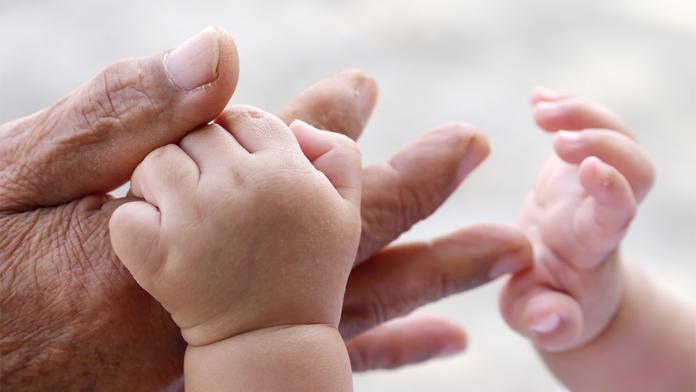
x=435, y=61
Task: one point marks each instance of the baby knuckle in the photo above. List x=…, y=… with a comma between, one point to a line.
x=242, y=112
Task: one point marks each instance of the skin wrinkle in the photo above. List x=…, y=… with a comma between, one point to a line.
x=118, y=334
x=73, y=338
x=78, y=245
x=80, y=252
x=375, y=309
x=372, y=218
x=407, y=214
x=14, y=190
x=403, y=196
x=419, y=203
x=40, y=332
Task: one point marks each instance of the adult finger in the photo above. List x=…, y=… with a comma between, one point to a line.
x=341, y=103
x=90, y=141
x=400, y=342
x=415, y=182
x=402, y=278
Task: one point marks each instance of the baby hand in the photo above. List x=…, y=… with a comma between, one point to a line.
x=244, y=225
x=584, y=199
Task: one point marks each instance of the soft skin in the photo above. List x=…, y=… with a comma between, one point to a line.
x=593, y=316
x=246, y=235
x=74, y=318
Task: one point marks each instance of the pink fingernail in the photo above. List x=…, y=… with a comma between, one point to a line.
x=549, y=108
x=302, y=124
x=570, y=138
x=570, y=135
x=548, y=324
x=194, y=63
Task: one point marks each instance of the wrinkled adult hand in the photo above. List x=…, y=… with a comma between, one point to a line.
x=72, y=318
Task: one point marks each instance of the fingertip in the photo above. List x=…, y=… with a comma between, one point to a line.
x=316, y=142
x=552, y=320
x=257, y=130
x=478, y=144
x=545, y=324
x=229, y=58
x=342, y=103
x=570, y=145
x=451, y=337
x=548, y=115
x=606, y=184
x=133, y=214
x=543, y=94
x=300, y=128
x=507, y=250
x=593, y=172
x=366, y=92
x=335, y=155
x=205, y=70
x=456, y=343
x=470, y=142
x=133, y=228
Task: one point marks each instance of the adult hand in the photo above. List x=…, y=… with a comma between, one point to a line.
x=71, y=315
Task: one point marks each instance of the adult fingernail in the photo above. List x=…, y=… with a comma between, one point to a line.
x=547, y=324
x=450, y=350
x=509, y=263
x=476, y=151
x=194, y=63
x=366, y=94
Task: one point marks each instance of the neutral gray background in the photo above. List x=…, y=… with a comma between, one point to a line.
x=435, y=61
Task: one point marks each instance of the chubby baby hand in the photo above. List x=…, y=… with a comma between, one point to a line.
x=584, y=199
x=246, y=224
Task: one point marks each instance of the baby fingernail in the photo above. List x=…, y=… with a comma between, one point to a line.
x=548, y=108
x=194, y=63
x=509, y=263
x=547, y=324
x=570, y=137
x=297, y=123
